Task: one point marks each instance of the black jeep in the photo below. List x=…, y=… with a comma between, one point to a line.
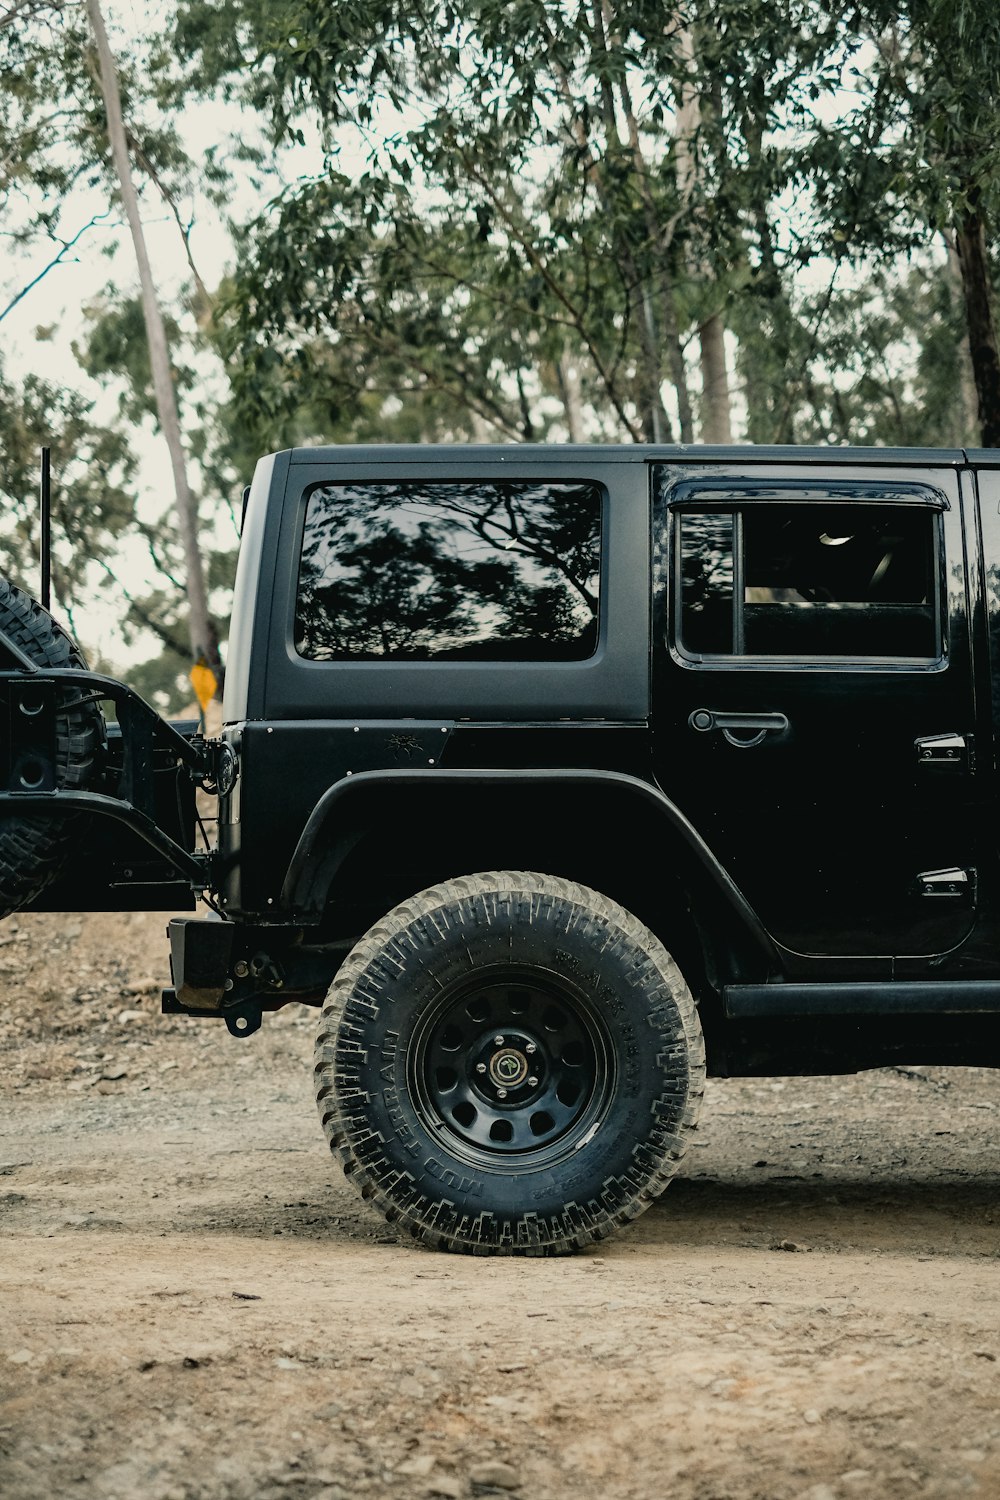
x=555, y=775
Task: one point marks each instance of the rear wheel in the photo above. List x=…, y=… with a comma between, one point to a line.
x=509, y=1062
x=33, y=847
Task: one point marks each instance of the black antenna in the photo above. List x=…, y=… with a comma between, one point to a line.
x=45, y=498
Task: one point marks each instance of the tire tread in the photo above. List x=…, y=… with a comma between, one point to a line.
x=33, y=848
x=586, y=1224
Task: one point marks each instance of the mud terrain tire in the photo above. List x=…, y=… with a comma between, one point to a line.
x=33, y=847
x=509, y=1062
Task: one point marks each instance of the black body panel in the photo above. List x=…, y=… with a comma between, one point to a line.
x=832, y=845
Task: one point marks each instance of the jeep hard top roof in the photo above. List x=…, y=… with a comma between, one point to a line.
x=637, y=453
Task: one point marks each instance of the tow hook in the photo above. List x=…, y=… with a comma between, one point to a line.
x=243, y=1020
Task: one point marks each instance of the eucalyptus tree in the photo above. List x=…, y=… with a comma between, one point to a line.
x=73, y=127
x=912, y=158
x=511, y=216
x=551, y=220
x=949, y=79
x=204, y=641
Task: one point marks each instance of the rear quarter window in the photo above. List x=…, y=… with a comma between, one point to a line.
x=429, y=569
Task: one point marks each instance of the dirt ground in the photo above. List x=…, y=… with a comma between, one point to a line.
x=193, y=1303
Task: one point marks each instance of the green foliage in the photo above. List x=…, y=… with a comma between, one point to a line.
x=893, y=369
x=116, y=346
x=54, y=166
x=411, y=329
x=53, y=135
x=545, y=187
x=512, y=227
x=93, y=470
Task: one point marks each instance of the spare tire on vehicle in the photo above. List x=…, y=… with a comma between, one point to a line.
x=33, y=846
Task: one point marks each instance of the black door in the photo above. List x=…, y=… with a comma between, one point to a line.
x=813, y=706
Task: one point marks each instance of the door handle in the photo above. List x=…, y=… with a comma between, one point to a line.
x=759, y=726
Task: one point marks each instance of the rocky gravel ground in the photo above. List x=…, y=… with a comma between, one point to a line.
x=194, y=1305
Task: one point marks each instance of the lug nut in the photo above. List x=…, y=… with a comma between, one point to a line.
x=533, y=1083
x=480, y=1067
x=530, y=1047
x=498, y=1041
x=501, y=1093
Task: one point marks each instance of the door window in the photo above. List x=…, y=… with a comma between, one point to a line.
x=806, y=580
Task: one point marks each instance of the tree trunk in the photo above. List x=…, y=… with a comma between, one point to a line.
x=655, y=422
x=568, y=378
x=766, y=348
x=204, y=642
x=660, y=237
x=965, y=398
x=716, y=419
x=716, y=426
x=970, y=242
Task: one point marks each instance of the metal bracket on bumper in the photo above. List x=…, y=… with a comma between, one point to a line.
x=203, y=965
x=241, y=1020
x=220, y=969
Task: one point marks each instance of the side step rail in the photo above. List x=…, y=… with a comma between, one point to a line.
x=903, y=997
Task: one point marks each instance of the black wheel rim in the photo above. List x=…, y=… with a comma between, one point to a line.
x=512, y=1069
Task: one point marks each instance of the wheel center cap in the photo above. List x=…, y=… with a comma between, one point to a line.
x=508, y=1068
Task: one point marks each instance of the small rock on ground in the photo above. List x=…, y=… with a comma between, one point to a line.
x=500, y=1475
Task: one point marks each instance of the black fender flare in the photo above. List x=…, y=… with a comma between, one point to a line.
x=334, y=828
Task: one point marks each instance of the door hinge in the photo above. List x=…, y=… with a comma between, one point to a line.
x=951, y=885
x=947, y=752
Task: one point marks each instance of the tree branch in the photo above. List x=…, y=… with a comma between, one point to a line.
x=67, y=247
x=543, y=269
x=26, y=9
x=204, y=296
x=141, y=613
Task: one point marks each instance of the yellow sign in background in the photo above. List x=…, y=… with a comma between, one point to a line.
x=204, y=682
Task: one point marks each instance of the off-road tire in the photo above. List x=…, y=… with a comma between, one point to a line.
x=33, y=847
x=453, y=994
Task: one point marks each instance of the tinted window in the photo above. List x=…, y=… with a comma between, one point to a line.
x=480, y=570
x=809, y=580
x=707, y=557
